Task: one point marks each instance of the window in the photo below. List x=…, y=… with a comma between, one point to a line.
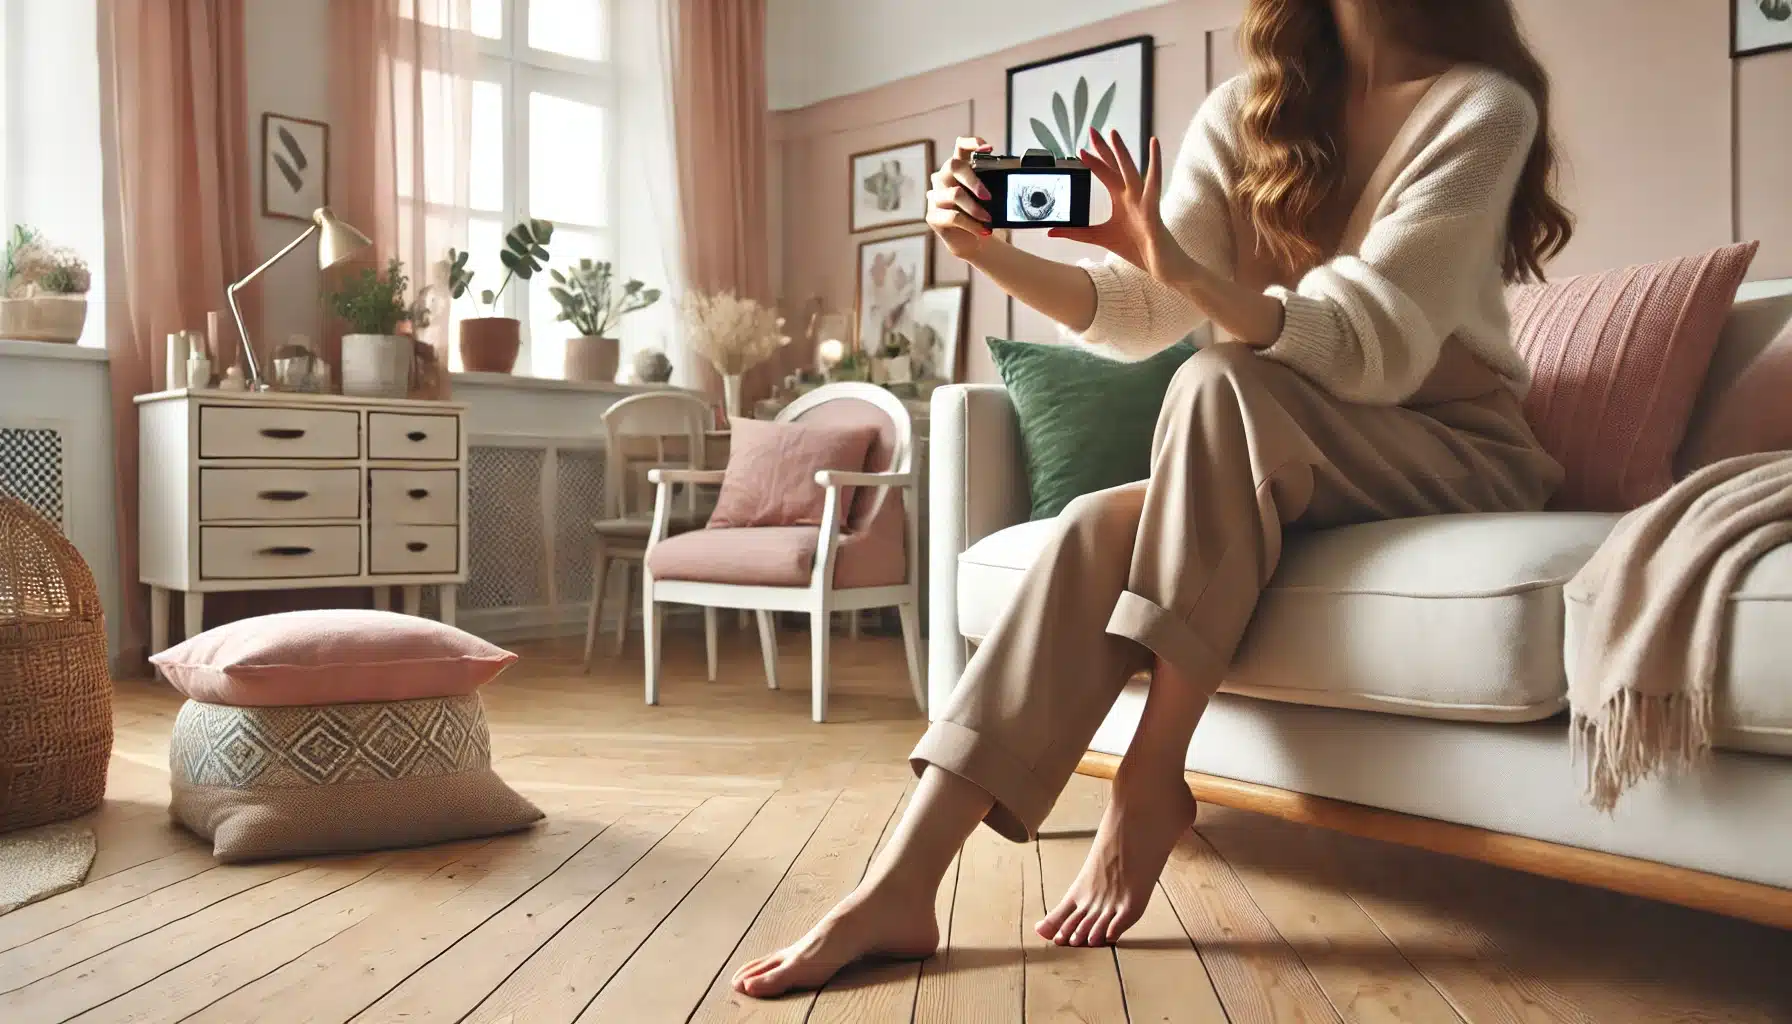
x=543, y=145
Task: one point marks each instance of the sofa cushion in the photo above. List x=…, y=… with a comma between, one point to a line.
x=1742, y=408
x=1454, y=617
x=1754, y=703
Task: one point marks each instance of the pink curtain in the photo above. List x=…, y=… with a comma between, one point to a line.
x=721, y=125
x=401, y=107
x=178, y=193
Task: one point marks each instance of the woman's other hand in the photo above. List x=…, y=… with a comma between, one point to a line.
x=954, y=205
x=1135, y=231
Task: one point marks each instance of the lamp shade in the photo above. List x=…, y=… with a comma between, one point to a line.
x=336, y=239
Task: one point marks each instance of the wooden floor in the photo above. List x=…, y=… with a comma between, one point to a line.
x=685, y=838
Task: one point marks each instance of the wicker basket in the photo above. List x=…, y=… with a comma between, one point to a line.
x=55, y=687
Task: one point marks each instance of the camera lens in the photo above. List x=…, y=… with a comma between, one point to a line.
x=1036, y=202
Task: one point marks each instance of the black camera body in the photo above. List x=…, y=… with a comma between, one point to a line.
x=1036, y=190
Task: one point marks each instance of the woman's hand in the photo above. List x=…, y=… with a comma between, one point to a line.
x=1135, y=232
x=953, y=208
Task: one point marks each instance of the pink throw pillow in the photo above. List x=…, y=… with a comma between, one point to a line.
x=1617, y=360
x=330, y=656
x=770, y=480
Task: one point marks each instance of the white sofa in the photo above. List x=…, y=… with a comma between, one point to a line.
x=1325, y=700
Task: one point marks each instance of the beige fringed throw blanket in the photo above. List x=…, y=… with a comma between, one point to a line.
x=1655, y=598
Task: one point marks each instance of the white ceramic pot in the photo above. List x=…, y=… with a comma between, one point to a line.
x=376, y=365
x=592, y=359
x=56, y=318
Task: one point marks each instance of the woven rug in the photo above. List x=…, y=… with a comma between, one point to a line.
x=37, y=863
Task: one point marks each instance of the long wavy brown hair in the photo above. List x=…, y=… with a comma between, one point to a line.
x=1292, y=121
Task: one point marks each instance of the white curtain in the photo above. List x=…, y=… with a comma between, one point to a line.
x=650, y=246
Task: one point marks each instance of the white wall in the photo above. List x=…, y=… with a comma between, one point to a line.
x=818, y=49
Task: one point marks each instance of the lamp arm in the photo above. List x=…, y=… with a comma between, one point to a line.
x=236, y=311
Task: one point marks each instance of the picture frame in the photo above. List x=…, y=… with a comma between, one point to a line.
x=1760, y=26
x=295, y=166
x=942, y=312
x=892, y=272
x=887, y=187
x=1052, y=103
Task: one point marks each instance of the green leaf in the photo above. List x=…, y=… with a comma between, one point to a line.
x=525, y=270
x=558, y=277
x=487, y=297
x=1063, y=118
x=542, y=230
x=632, y=287
x=1101, y=109
x=510, y=260
x=1075, y=139
x=538, y=252
x=560, y=295
x=1044, y=135
x=650, y=296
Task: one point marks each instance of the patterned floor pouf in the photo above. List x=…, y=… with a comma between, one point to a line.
x=265, y=782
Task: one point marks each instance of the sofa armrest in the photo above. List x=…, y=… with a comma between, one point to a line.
x=977, y=484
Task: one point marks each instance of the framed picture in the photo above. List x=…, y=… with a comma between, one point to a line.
x=939, y=331
x=1053, y=104
x=889, y=186
x=892, y=274
x=1760, y=26
x=295, y=166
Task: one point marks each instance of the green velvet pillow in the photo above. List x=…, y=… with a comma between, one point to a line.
x=1086, y=420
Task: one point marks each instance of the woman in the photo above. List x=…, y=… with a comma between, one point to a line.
x=1346, y=215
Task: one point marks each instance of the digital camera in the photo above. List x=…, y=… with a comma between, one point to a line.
x=1036, y=190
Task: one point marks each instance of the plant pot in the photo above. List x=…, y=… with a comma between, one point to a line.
x=378, y=365
x=57, y=318
x=592, y=359
x=489, y=344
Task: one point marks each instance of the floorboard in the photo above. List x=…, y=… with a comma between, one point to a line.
x=979, y=977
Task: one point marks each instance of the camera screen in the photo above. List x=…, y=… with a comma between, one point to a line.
x=1039, y=198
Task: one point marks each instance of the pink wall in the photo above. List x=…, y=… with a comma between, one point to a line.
x=1669, y=146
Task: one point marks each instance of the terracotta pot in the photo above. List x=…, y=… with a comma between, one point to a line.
x=592, y=359
x=489, y=344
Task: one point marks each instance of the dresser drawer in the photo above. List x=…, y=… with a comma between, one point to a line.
x=278, y=552
x=396, y=435
x=415, y=496
x=414, y=549
x=241, y=432
x=279, y=494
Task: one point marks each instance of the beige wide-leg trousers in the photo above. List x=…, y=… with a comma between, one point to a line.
x=1173, y=566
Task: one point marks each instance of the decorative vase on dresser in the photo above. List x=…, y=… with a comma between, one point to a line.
x=274, y=491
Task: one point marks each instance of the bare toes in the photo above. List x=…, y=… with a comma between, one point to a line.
x=1053, y=923
x=1067, y=932
x=1124, y=919
x=1098, y=932
x=1086, y=929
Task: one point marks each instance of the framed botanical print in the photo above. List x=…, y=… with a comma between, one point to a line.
x=1759, y=26
x=888, y=186
x=939, y=320
x=892, y=274
x=1054, y=103
x=295, y=166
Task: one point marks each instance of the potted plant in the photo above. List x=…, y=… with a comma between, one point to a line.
x=376, y=358
x=45, y=290
x=489, y=344
x=590, y=302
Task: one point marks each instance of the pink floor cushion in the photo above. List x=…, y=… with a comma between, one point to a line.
x=330, y=656
x=270, y=782
x=779, y=556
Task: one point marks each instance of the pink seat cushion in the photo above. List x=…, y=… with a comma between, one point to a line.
x=779, y=556
x=770, y=480
x=330, y=656
x=1617, y=360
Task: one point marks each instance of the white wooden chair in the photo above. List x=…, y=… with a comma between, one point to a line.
x=658, y=430
x=856, y=545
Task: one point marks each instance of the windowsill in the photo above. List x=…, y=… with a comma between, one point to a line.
x=520, y=382
x=13, y=349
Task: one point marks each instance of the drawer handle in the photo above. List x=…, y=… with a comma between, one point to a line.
x=417, y=435
x=287, y=550
x=418, y=493
x=416, y=545
x=284, y=495
x=282, y=433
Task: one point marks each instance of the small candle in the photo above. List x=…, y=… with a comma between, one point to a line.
x=831, y=350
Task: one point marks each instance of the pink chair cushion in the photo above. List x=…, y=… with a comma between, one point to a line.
x=857, y=413
x=1617, y=360
x=779, y=556
x=330, y=656
x=770, y=479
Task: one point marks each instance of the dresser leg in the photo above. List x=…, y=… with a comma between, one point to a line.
x=445, y=598
x=193, y=614
x=382, y=599
x=158, y=619
x=413, y=600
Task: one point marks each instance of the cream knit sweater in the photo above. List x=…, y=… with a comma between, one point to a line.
x=1420, y=265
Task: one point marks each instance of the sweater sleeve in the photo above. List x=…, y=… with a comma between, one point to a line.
x=1370, y=327
x=1135, y=315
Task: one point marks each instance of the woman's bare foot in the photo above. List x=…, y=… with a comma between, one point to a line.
x=1143, y=821
x=865, y=924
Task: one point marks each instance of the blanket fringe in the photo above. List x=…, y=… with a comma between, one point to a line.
x=1633, y=736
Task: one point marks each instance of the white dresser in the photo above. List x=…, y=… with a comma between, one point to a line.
x=270, y=491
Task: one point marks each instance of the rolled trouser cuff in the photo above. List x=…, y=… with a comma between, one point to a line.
x=1021, y=800
x=1163, y=633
